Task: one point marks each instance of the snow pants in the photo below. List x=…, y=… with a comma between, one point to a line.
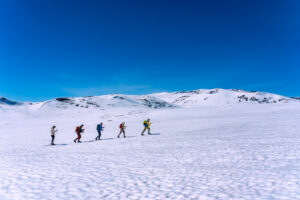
x=78, y=137
x=122, y=131
x=99, y=135
x=146, y=127
x=52, y=136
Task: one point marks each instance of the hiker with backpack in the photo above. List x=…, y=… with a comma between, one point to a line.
x=122, y=129
x=146, y=124
x=79, y=130
x=53, y=131
x=99, y=129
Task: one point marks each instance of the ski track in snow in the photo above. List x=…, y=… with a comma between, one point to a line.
x=242, y=152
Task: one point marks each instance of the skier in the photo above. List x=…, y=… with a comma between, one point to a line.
x=146, y=124
x=99, y=129
x=79, y=130
x=53, y=131
x=122, y=129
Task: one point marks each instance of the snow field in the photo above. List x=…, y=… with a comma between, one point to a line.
x=210, y=152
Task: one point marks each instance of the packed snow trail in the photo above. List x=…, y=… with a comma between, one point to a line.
x=231, y=152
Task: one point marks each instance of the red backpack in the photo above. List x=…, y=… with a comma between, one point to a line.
x=77, y=129
x=121, y=125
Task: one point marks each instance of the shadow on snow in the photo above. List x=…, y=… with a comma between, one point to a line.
x=56, y=145
x=155, y=133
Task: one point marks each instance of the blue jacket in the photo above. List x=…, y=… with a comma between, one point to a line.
x=99, y=127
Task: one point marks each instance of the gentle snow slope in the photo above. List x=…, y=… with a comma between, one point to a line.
x=205, y=152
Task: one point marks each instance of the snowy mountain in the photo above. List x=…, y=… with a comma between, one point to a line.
x=155, y=101
x=92, y=102
x=221, y=97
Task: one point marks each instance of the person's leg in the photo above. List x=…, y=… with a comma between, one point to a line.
x=144, y=131
x=52, y=142
x=149, y=131
x=124, y=133
x=120, y=133
x=77, y=139
x=97, y=138
x=99, y=135
x=79, y=136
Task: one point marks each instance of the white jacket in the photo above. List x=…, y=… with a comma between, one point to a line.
x=53, y=131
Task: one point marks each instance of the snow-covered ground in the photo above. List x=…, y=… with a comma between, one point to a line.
x=216, y=151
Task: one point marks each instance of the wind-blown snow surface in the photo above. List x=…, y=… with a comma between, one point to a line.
x=243, y=151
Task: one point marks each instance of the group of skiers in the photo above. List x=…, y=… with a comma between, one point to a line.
x=79, y=130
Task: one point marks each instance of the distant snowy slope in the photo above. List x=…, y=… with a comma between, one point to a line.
x=220, y=96
x=103, y=102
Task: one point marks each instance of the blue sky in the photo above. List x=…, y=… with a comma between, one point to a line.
x=80, y=48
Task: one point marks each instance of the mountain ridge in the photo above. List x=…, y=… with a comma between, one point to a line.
x=198, y=97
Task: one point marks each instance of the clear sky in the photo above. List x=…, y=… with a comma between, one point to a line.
x=78, y=48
